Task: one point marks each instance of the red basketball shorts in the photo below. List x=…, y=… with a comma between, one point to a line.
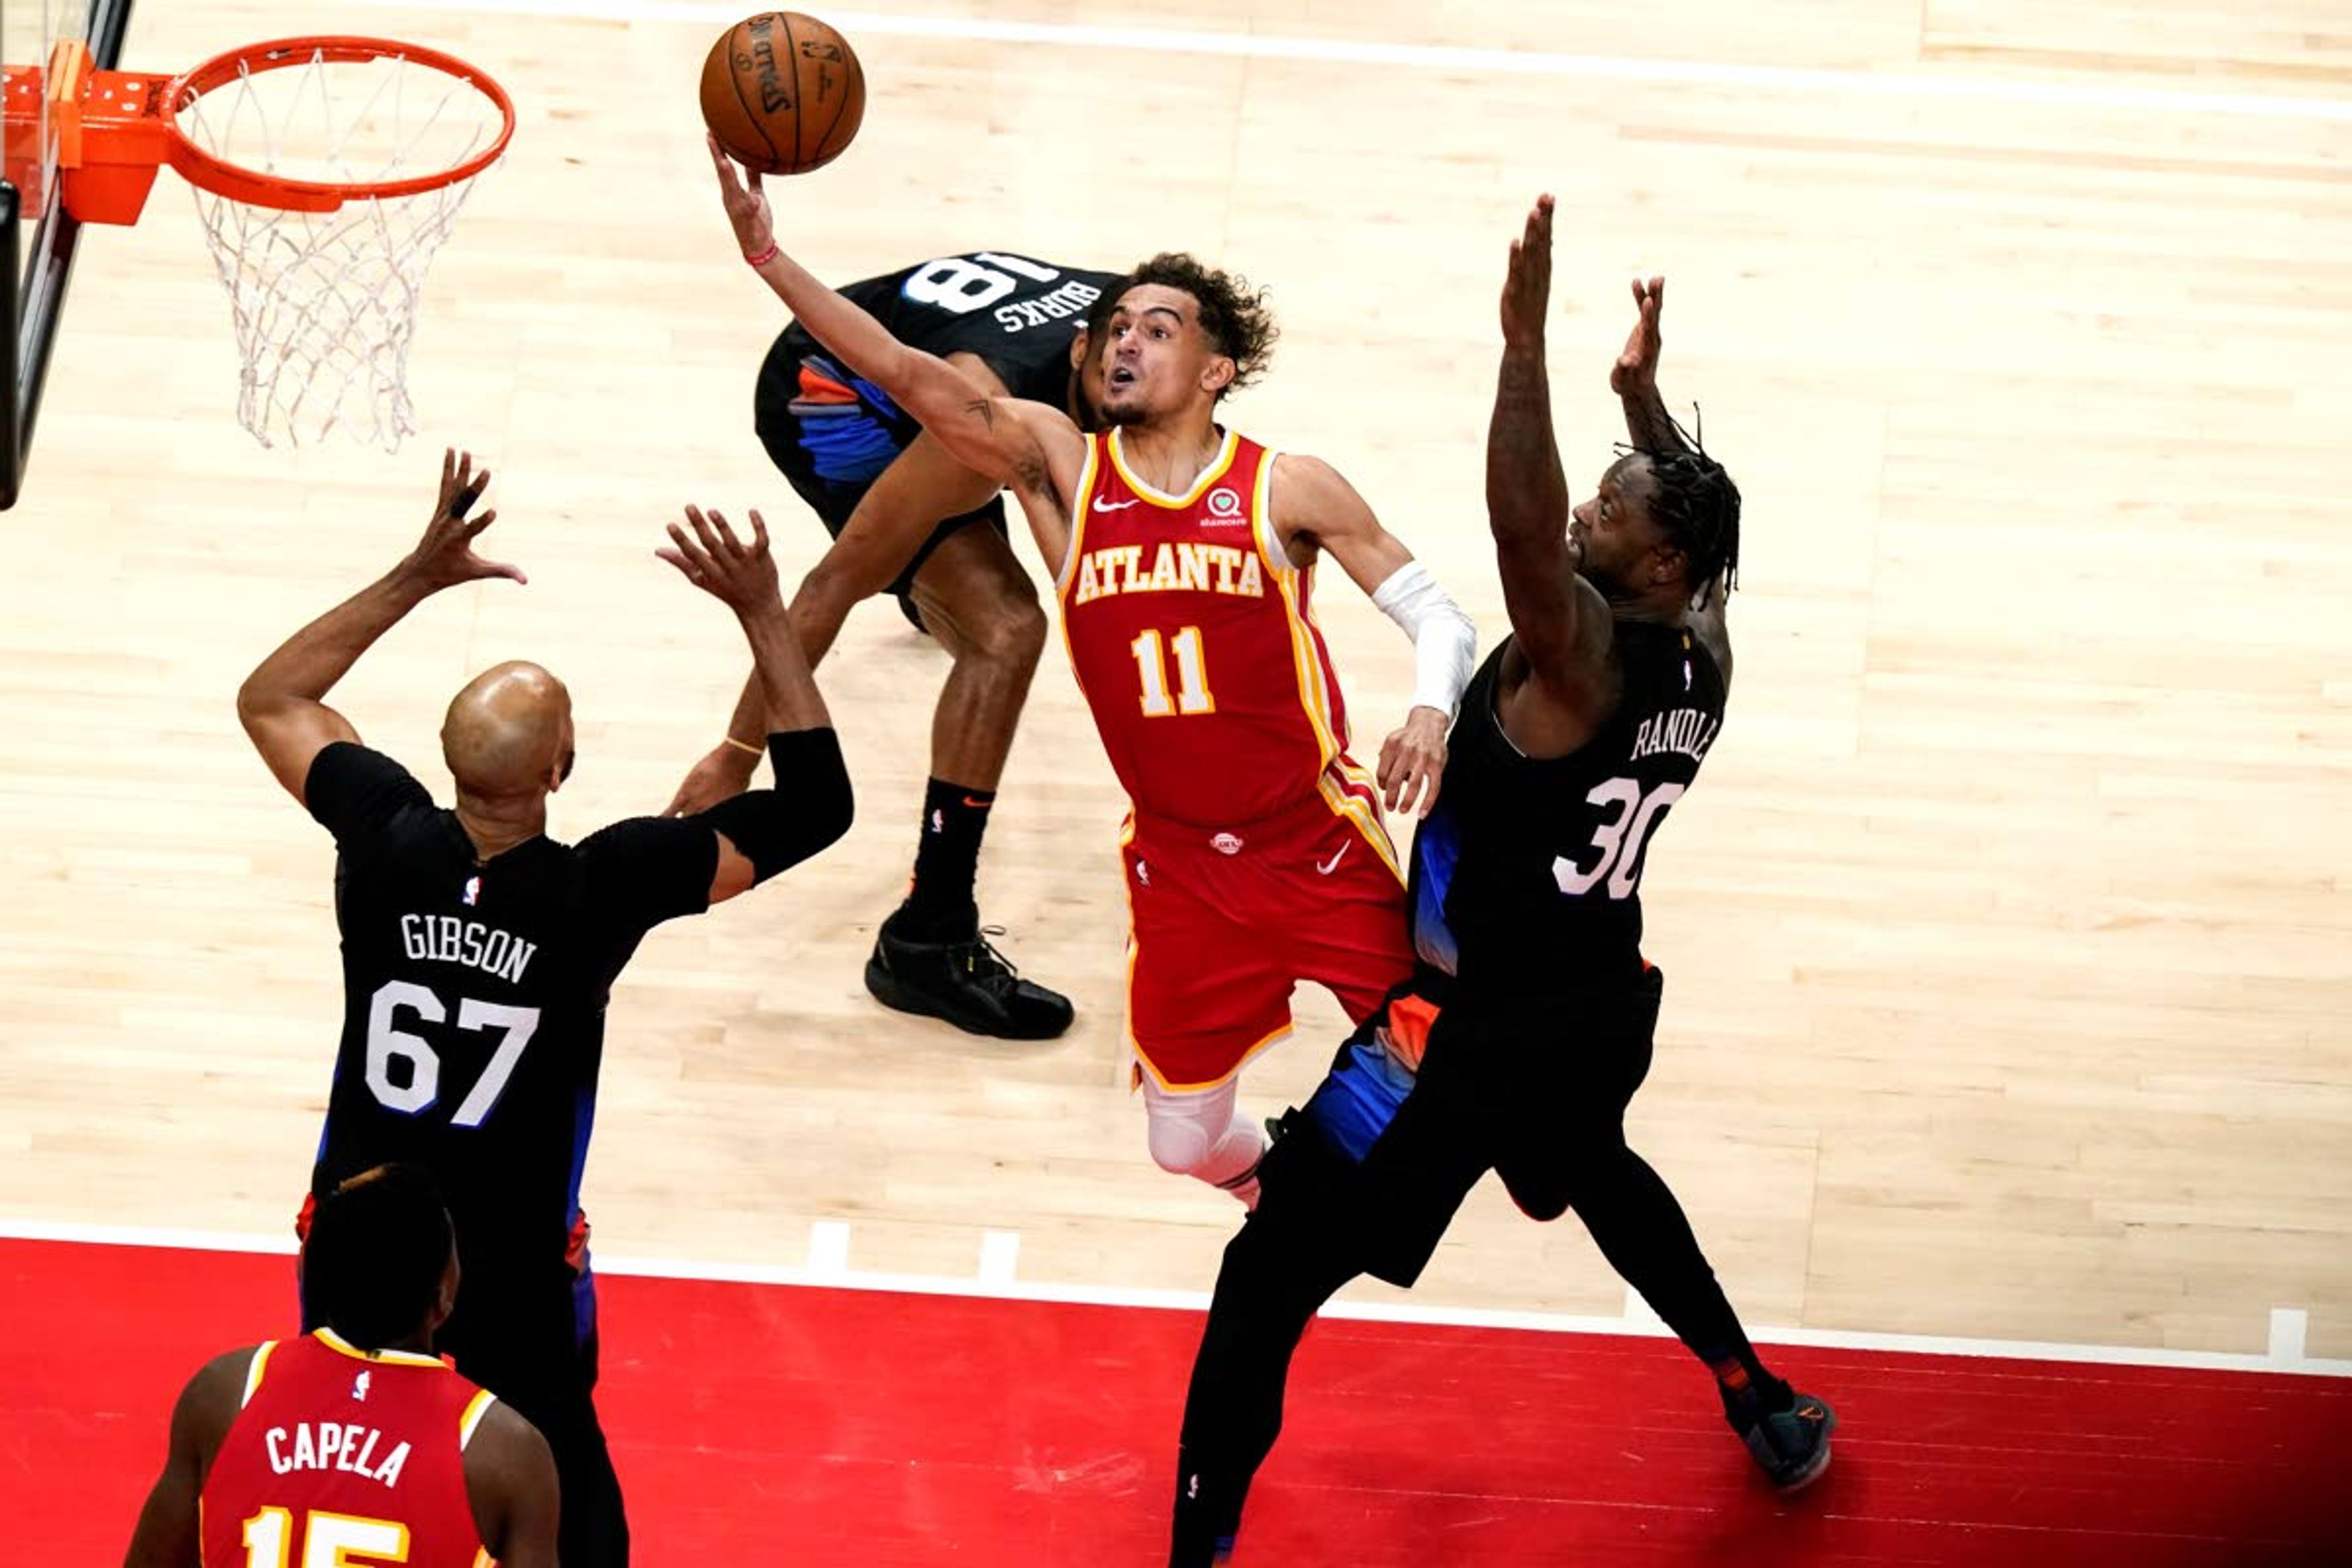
x=1224, y=923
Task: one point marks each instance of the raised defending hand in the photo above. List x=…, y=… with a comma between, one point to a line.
x=445, y=557
x=1526, y=287
x=1636, y=370
x=747, y=206
x=1413, y=762
x=740, y=576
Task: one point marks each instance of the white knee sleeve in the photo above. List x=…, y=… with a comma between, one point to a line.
x=1201, y=1133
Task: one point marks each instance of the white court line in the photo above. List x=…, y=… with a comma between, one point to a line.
x=828, y=1269
x=828, y=1249
x=1000, y=1255
x=2289, y=1327
x=1442, y=58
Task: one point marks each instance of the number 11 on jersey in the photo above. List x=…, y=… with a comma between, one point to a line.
x=1191, y=675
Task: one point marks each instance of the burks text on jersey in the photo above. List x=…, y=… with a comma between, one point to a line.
x=335, y=1445
x=1178, y=565
x=1689, y=730
x=470, y=943
x=1070, y=299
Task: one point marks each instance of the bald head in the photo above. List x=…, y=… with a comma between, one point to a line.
x=509, y=732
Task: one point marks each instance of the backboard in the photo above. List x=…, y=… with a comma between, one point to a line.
x=36, y=238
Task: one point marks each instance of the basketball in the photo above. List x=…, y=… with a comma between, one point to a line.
x=782, y=92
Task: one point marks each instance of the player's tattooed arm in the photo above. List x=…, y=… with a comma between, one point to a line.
x=1560, y=622
x=1034, y=450
x=282, y=703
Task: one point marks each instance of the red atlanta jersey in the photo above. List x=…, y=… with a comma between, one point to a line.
x=343, y=1456
x=1191, y=635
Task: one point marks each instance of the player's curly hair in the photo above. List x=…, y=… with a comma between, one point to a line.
x=1697, y=509
x=1236, y=317
x=371, y=1264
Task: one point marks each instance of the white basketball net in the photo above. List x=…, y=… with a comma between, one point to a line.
x=326, y=303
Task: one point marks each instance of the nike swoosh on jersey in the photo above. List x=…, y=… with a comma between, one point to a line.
x=1328, y=866
x=1102, y=505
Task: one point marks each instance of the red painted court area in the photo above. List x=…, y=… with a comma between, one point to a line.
x=760, y=1424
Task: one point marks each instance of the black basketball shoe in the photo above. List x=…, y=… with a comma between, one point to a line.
x=966, y=983
x=1791, y=1445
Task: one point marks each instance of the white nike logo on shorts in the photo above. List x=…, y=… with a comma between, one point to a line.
x=1328, y=866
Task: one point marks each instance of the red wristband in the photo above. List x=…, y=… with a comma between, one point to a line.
x=766, y=256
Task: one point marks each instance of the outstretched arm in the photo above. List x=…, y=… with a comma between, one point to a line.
x=1314, y=503
x=923, y=486
x=1634, y=379
x=1560, y=621
x=1033, y=448
x=281, y=703
x=759, y=835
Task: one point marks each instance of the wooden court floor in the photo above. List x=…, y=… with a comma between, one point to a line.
x=2006, y=936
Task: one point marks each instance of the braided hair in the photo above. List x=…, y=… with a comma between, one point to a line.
x=1697, y=507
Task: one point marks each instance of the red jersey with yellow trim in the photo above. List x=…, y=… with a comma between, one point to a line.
x=1191, y=635
x=340, y=1456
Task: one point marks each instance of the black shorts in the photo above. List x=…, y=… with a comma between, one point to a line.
x=1522, y=1086
x=832, y=434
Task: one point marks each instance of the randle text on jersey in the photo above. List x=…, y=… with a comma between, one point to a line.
x=1688, y=730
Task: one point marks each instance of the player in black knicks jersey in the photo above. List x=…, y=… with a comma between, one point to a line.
x=479, y=952
x=1527, y=1025
x=909, y=520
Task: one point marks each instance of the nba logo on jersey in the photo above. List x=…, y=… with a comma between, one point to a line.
x=473, y=893
x=359, y=1388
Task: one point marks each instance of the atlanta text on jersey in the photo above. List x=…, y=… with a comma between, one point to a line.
x=1203, y=568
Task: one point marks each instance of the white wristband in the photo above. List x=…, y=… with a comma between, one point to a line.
x=1444, y=642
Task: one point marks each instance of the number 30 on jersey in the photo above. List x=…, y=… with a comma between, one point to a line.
x=1616, y=848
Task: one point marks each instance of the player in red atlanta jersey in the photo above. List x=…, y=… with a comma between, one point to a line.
x=1184, y=556
x=355, y=1442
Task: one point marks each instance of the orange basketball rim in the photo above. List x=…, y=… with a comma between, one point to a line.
x=115, y=129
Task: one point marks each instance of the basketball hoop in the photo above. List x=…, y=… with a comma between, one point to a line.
x=327, y=170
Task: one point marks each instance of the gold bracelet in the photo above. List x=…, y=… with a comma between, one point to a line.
x=742, y=746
